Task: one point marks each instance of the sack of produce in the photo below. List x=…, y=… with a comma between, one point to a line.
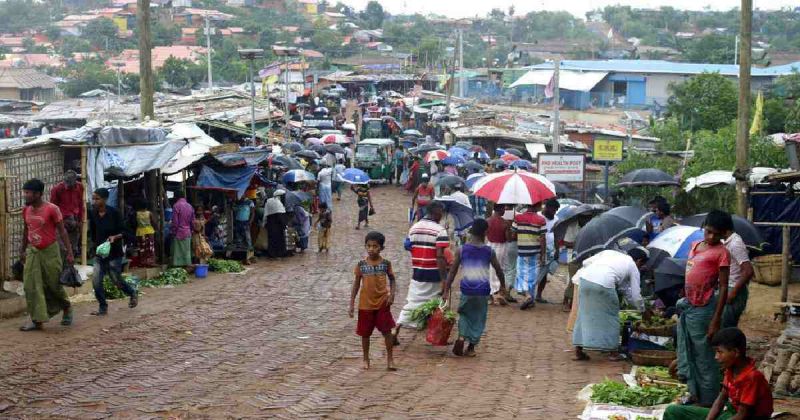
x=103, y=250
x=439, y=327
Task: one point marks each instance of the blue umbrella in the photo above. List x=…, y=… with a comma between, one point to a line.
x=521, y=164
x=458, y=207
x=297, y=175
x=473, y=167
x=453, y=160
x=677, y=241
x=472, y=179
x=355, y=176
x=458, y=151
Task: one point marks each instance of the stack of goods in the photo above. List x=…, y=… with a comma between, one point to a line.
x=781, y=365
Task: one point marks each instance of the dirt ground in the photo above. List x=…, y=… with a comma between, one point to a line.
x=276, y=341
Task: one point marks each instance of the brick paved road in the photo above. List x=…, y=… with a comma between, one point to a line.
x=277, y=342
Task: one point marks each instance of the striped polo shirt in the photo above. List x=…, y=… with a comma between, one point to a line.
x=426, y=237
x=529, y=227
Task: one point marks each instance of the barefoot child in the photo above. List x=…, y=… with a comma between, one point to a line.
x=745, y=391
x=324, y=222
x=474, y=259
x=374, y=283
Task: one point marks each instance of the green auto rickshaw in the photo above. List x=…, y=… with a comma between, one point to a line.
x=374, y=156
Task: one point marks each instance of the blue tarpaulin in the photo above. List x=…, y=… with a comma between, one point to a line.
x=777, y=208
x=229, y=179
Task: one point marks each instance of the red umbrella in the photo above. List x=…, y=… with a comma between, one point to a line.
x=436, y=155
x=335, y=139
x=508, y=157
x=514, y=187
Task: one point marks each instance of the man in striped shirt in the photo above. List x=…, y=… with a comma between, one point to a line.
x=428, y=242
x=531, y=244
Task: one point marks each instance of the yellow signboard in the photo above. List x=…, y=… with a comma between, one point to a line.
x=606, y=150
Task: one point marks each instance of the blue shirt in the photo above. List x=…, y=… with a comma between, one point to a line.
x=475, y=264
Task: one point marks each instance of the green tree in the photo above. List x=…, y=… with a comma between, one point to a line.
x=164, y=33
x=19, y=15
x=788, y=86
x=177, y=73
x=53, y=33
x=373, y=15
x=429, y=49
x=793, y=118
x=103, y=34
x=775, y=112
x=671, y=135
x=87, y=75
x=711, y=49
x=714, y=151
x=73, y=44
x=704, y=102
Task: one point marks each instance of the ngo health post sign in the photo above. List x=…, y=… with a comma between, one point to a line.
x=562, y=167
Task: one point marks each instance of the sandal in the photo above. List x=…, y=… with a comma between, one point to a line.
x=31, y=326
x=458, y=347
x=66, y=319
x=470, y=351
x=542, y=300
x=100, y=312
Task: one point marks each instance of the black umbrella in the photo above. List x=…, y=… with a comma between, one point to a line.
x=498, y=163
x=748, y=231
x=647, y=178
x=425, y=148
x=600, y=189
x=320, y=149
x=634, y=215
x=569, y=214
x=285, y=161
x=562, y=188
x=601, y=233
x=668, y=273
x=473, y=167
x=452, y=181
x=293, y=147
x=307, y=154
x=334, y=148
x=513, y=151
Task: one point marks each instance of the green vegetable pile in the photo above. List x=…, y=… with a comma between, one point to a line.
x=632, y=316
x=421, y=315
x=171, y=277
x=113, y=292
x=225, y=266
x=611, y=392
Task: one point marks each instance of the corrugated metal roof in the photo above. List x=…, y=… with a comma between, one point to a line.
x=668, y=67
x=25, y=79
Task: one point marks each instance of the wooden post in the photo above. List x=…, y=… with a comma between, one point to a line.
x=161, y=202
x=786, y=267
x=146, y=82
x=5, y=253
x=85, y=224
x=743, y=115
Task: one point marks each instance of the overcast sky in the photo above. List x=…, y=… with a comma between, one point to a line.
x=471, y=8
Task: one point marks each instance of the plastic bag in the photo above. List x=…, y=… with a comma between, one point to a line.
x=438, y=328
x=103, y=250
x=70, y=277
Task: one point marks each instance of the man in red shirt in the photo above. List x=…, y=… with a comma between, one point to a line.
x=497, y=235
x=743, y=386
x=44, y=294
x=68, y=196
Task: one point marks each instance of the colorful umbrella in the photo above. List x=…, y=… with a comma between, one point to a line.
x=298, y=175
x=473, y=178
x=748, y=231
x=677, y=240
x=508, y=158
x=435, y=155
x=458, y=207
x=453, y=160
x=335, y=139
x=313, y=141
x=355, y=176
x=522, y=164
x=515, y=187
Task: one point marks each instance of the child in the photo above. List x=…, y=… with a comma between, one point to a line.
x=324, y=222
x=374, y=283
x=743, y=385
x=201, y=247
x=474, y=258
x=701, y=310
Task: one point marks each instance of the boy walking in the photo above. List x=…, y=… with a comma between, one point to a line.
x=745, y=391
x=474, y=259
x=374, y=284
x=325, y=221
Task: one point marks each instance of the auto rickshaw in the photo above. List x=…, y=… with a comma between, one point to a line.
x=374, y=156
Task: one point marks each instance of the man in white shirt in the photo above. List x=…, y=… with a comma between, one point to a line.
x=324, y=178
x=741, y=271
x=602, y=276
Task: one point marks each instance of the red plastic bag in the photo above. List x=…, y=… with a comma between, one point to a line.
x=439, y=328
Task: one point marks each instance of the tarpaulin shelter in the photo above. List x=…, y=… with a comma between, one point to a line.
x=226, y=179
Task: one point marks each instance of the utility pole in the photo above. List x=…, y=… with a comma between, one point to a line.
x=208, y=55
x=556, y=105
x=449, y=86
x=742, y=131
x=736, y=50
x=462, y=80
x=146, y=83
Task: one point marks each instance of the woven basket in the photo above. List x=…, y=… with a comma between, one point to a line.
x=662, y=331
x=768, y=269
x=653, y=357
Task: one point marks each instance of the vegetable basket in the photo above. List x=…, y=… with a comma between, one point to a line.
x=653, y=357
x=660, y=331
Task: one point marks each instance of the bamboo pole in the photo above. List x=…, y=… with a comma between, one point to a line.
x=785, y=266
x=743, y=114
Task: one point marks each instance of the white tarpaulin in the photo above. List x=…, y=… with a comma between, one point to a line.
x=713, y=178
x=567, y=79
x=198, y=144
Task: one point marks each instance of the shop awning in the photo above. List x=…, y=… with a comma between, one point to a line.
x=567, y=79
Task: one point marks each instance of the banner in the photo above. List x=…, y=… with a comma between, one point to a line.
x=562, y=167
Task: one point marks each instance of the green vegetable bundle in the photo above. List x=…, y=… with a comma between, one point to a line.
x=611, y=392
x=113, y=292
x=225, y=266
x=171, y=277
x=421, y=315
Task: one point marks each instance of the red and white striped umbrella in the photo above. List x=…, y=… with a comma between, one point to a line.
x=436, y=155
x=335, y=139
x=515, y=187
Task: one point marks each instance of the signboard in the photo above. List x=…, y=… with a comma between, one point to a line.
x=607, y=150
x=562, y=167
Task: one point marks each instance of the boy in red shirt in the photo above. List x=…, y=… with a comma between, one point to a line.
x=701, y=310
x=745, y=391
x=374, y=283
